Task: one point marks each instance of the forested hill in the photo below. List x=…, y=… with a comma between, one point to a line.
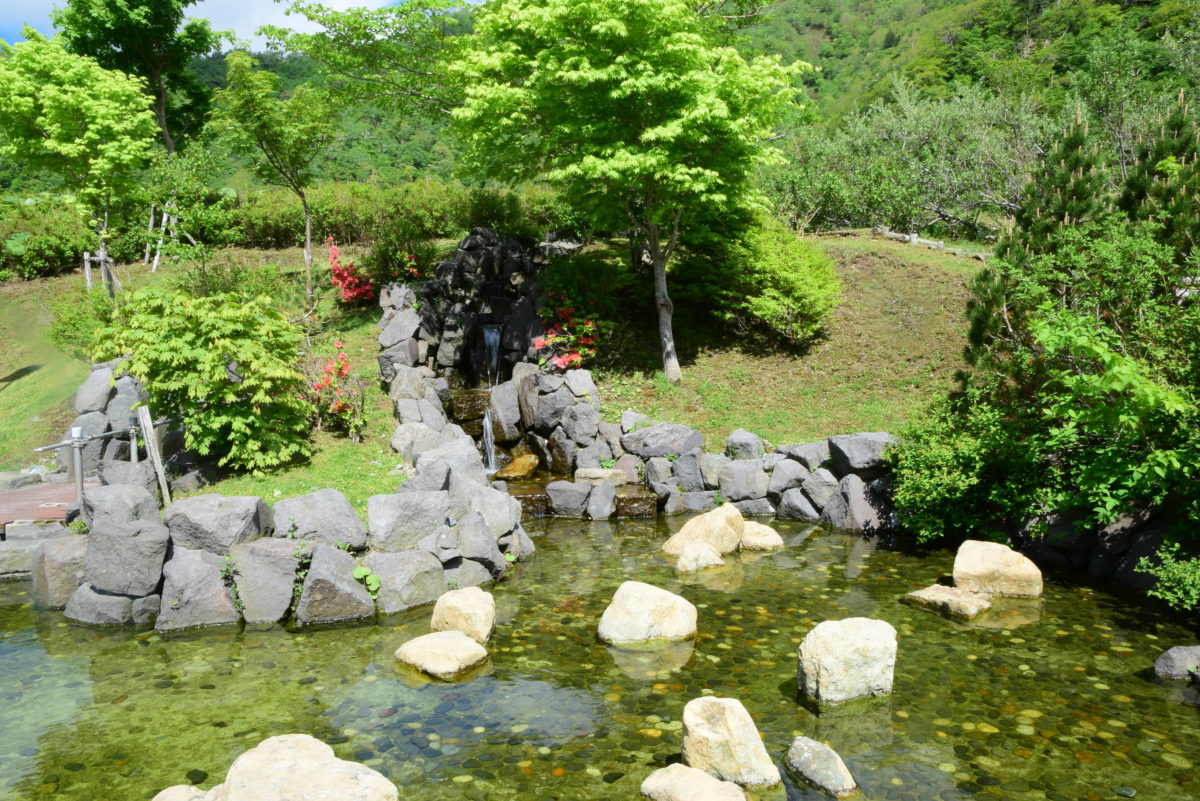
x=1013, y=46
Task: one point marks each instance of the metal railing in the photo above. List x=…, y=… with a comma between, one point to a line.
x=75, y=440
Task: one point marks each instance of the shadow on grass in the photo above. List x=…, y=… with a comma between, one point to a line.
x=17, y=375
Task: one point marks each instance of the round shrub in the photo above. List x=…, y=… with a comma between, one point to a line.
x=43, y=236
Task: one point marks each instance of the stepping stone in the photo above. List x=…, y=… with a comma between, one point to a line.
x=442, y=654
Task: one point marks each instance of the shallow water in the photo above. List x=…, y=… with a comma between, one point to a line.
x=1050, y=699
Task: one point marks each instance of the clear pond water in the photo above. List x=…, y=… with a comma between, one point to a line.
x=1052, y=699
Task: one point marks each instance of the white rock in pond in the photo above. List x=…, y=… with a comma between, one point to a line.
x=720, y=738
x=680, y=783
x=721, y=528
x=697, y=556
x=997, y=569
x=292, y=767
x=820, y=766
x=181, y=792
x=954, y=601
x=758, y=537
x=641, y=612
x=442, y=654
x=471, y=611
x=841, y=660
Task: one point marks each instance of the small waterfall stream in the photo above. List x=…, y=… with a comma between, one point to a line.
x=491, y=348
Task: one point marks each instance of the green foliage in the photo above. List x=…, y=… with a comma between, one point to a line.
x=149, y=39
x=79, y=315
x=67, y=114
x=225, y=366
x=369, y=579
x=42, y=236
x=1178, y=577
x=779, y=283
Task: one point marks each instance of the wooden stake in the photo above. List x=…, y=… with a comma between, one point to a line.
x=147, y=423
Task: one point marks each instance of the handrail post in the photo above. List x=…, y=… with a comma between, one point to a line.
x=77, y=462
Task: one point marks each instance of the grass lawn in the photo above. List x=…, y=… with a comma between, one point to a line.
x=893, y=343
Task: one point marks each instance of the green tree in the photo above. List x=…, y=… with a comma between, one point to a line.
x=65, y=113
x=150, y=39
x=224, y=365
x=1165, y=183
x=282, y=136
x=634, y=109
x=395, y=54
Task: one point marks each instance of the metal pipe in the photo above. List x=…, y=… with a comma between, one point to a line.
x=77, y=462
x=133, y=427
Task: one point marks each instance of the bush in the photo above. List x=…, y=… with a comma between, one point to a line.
x=78, y=315
x=489, y=207
x=225, y=366
x=43, y=236
x=788, y=286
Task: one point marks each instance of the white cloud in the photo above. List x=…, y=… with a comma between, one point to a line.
x=243, y=17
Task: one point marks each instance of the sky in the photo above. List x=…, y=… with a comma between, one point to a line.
x=243, y=17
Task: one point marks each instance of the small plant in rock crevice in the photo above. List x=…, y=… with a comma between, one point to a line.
x=369, y=579
x=304, y=554
x=229, y=578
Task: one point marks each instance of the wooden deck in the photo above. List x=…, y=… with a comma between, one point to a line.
x=40, y=502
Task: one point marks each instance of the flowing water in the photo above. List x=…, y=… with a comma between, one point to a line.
x=1051, y=699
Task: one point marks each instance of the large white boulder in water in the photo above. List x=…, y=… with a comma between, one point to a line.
x=721, y=528
x=680, y=783
x=720, y=738
x=997, y=569
x=292, y=767
x=641, y=612
x=841, y=660
x=471, y=611
x=442, y=654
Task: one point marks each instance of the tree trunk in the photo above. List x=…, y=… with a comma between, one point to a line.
x=666, y=333
x=160, y=112
x=308, y=279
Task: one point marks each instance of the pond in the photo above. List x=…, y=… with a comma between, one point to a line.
x=1051, y=699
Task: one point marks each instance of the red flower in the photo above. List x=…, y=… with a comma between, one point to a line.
x=337, y=343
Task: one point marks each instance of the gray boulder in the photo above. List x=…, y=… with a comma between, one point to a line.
x=459, y=455
x=710, y=469
x=397, y=522
x=856, y=506
x=743, y=480
x=742, y=444
x=443, y=544
x=581, y=422
x=550, y=406
x=94, y=392
x=795, y=505
x=478, y=545
x=632, y=467
x=687, y=470
x=602, y=502
x=631, y=421
x=581, y=385
x=194, y=593
x=1178, y=662
x=517, y=543
x=265, y=575
x=859, y=453
x=658, y=470
x=463, y=573
x=501, y=512
x=322, y=516
x=820, y=487
x=434, y=478
x=562, y=452
x=117, y=504
x=770, y=460
x=144, y=611
x=701, y=501
x=140, y=474
x=672, y=500
x=90, y=424
x=812, y=455
x=331, y=593
x=505, y=412
x=611, y=434
x=788, y=474
x=568, y=498
x=120, y=405
x=403, y=325
x=755, y=507
x=126, y=559
x=405, y=353
x=414, y=438
x=58, y=570
x=662, y=439
x=593, y=456
x=215, y=523
x=12, y=481
x=99, y=609
x=406, y=579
